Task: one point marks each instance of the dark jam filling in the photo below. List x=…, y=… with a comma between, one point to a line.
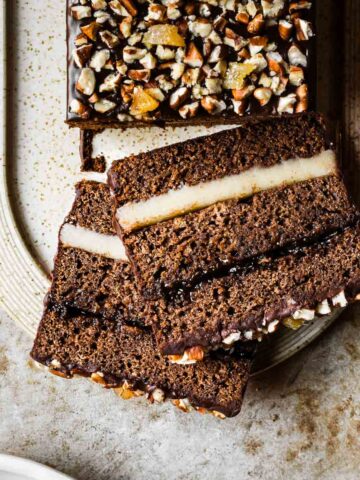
x=182, y=291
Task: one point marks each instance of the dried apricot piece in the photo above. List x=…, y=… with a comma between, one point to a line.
x=142, y=102
x=236, y=74
x=292, y=323
x=164, y=34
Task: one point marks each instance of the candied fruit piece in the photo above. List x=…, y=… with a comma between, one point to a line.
x=164, y=35
x=236, y=74
x=292, y=323
x=124, y=393
x=142, y=102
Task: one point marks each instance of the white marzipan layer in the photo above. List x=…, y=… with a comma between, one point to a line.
x=98, y=243
x=189, y=198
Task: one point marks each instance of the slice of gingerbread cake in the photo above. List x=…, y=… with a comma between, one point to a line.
x=94, y=323
x=290, y=286
x=212, y=203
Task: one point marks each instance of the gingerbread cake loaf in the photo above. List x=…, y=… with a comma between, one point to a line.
x=94, y=323
x=202, y=207
x=131, y=62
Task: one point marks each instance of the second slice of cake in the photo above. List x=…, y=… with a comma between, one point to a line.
x=292, y=286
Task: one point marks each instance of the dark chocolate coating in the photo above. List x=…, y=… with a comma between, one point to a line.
x=169, y=117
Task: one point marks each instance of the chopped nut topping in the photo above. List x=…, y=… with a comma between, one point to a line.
x=286, y=104
x=189, y=111
x=179, y=97
x=131, y=54
x=212, y=105
x=99, y=59
x=86, y=81
x=156, y=93
x=79, y=109
x=59, y=373
x=323, y=308
x=104, y=105
x=339, y=300
x=126, y=392
x=98, y=377
x=217, y=414
x=300, y=5
x=263, y=94
x=158, y=52
x=157, y=395
x=193, y=57
x=109, y=38
x=164, y=53
x=91, y=30
x=302, y=94
x=256, y=25
x=183, y=405
x=82, y=54
x=285, y=29
x=272, y=8
x=80, y=12
x=125, y=27
x=98, y=4
x=241, y=94
x=303, y=29
x=232, y=338
x=191, y=355
x=296, y=57
x=148, y=61
x=239, y=106
x=296, y=76
x=304, y=314
x=200, y=27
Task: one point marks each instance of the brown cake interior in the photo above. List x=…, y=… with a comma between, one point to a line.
x=97, y=285
x=92, y=208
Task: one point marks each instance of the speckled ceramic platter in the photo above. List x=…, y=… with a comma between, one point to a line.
x=40, y=165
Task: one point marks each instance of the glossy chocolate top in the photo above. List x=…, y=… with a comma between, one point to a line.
x=181, y=61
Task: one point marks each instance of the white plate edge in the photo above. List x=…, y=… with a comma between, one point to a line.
x=29, y=468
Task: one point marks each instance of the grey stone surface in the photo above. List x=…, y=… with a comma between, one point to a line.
x=300, y=420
